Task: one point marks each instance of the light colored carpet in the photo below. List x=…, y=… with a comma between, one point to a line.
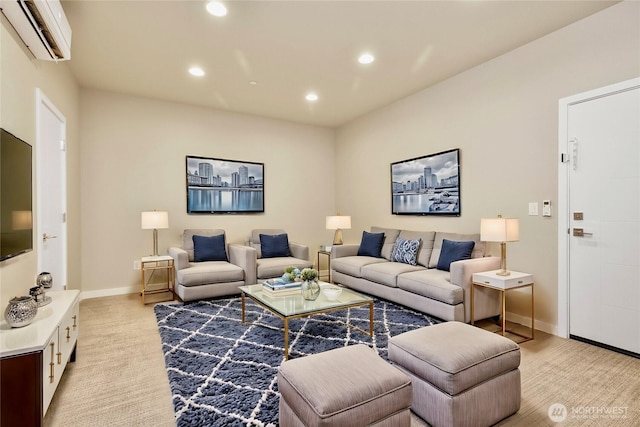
x=119, y=375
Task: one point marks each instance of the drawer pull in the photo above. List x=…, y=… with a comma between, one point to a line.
x=51, y=364
x=75, y=318
x=59, y=357
x=68, y=333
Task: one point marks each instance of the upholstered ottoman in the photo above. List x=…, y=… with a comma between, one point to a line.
x=461, y=375
x=348, y=386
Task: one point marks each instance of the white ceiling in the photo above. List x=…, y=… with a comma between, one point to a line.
x=145, y=48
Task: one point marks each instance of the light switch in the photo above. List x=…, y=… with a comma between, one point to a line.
x=533, y=208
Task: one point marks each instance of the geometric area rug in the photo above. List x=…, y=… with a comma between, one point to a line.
x=224, y=373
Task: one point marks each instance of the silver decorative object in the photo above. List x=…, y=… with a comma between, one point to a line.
x=21, y=311
x=45, y=279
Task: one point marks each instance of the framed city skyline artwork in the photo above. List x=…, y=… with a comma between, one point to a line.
x=427, y=185
x=222, y=186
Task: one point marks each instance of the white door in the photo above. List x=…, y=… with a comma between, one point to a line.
x=603, y=147
x=51, y=193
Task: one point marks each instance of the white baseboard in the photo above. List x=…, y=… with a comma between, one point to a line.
x=109, y=292
x=526, y=321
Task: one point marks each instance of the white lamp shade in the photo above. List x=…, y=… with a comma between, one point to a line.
x=154, y=220
x=499, y=229
x=338, y=222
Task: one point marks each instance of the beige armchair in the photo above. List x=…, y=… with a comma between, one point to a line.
x=213, y=276
x=268, y=266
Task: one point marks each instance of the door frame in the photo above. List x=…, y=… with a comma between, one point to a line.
x=563, y=191
x=43, y=102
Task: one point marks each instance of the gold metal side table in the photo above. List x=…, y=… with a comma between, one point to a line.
x=148, y=267
x=328, y=254
x=515, y=280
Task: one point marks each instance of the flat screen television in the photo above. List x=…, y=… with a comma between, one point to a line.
x=221, y=186
x=16, y=219
x=427, y=185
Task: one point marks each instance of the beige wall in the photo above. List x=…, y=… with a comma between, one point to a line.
x=503, y=115
x=20, y=75
x=127, y=154
x=133, y=159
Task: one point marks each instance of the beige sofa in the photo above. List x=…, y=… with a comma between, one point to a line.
x=443, y=294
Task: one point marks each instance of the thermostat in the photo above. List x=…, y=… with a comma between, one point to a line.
x=546, y=208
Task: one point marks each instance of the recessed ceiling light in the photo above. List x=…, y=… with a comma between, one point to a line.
x=216, y=8
x=311, y=97
x=196, y=71
x=366, y=58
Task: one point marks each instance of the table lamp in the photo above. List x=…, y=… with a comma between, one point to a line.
x=338, y=223
x=500, y=230
x=154, y=220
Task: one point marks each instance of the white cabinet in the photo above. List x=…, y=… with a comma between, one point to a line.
x=33, y=359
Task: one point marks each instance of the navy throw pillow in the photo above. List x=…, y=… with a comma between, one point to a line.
x=371, y=244
x=209, y=248
x=454, y=251
x=276, y=245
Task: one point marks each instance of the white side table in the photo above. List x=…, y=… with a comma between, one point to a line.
x=516, y=280
x=148, y=266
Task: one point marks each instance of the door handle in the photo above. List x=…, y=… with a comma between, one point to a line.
x=45, y=237
x=579, y=232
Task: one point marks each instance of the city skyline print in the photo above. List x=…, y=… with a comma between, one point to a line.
x=427, y=185
x=224, y=186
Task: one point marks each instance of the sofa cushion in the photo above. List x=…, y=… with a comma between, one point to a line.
x=432, y=283
x=406, y=251
x=352, y=265
x=209, y=272
x=454, y=251
x=478, y=248
x=426, y=245
x=371, y=244
x=386, y=273
x=209, y=248
x=390, y=236
x=267, y=268
x=274, y=245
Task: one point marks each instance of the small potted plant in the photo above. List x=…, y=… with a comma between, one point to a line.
x=310, y=286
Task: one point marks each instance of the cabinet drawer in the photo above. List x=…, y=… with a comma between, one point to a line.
x=68, y=334
x=51, y=371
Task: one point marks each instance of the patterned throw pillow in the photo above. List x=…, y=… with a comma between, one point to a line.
x=406, y=251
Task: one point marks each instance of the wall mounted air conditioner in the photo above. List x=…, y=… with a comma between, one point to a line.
x=42, y=26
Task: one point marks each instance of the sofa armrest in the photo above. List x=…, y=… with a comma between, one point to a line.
x=487, y=301
x=299, y=250
x=338, y=251
x=245, y=258
x=180, y=258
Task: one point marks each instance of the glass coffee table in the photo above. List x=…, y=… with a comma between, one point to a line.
x=294, y=306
